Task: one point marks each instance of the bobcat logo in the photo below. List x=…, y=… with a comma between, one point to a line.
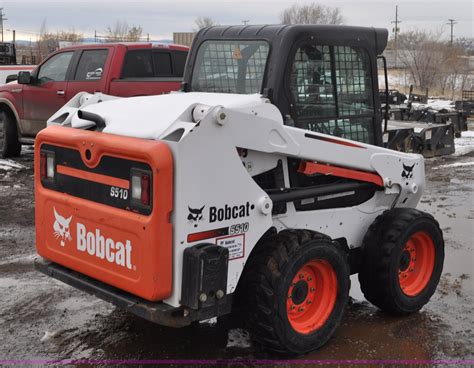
x=195, y=215
x=61, y=228
x=407, y=171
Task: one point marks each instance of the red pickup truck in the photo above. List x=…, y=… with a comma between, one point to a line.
x=119, y=69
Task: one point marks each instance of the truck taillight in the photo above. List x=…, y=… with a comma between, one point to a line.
x=141, y=186
x=47, y=165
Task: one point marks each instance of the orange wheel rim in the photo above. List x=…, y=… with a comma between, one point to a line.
x=311, y=296
x=416, y=263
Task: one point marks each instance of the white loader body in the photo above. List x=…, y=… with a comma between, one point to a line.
x=214, y=193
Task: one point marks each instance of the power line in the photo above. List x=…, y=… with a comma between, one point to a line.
x=452, y=22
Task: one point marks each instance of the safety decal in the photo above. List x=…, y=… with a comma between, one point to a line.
x=235, y=244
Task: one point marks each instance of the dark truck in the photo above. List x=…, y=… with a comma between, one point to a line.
x=119, y=69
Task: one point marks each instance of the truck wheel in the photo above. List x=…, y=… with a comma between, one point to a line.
x=9, y=144
x=296, y=288
x=402, y=261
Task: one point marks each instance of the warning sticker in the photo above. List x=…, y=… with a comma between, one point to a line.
x=235, y=244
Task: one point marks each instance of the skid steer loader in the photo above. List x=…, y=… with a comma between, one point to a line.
x=260, y=187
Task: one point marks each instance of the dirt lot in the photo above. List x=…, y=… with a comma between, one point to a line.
x=43, y=319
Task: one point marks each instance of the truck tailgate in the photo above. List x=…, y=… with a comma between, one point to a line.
x=103, y=204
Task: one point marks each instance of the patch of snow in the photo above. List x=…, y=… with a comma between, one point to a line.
x=435, y=104
x=6, y=165
x=210, y=321
x=6, y=282
x=464, y=144
x=49, y=335
x=238, y=338
x=19, y=259
x=456, y=164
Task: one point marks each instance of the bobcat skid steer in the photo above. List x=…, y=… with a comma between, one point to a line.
x=260, y=187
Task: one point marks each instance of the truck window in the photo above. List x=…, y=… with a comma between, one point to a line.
x=162, y=64
x=91, y=65
x=230, y=66
x=55, y=68
x=332, y=90
x=179, y=62
x=138, y=64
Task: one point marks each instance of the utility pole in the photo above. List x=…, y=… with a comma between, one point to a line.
x=14, y=36
x=95, y=36
x=396, y=30
x=1, y=21
x=452, y=22
x=245, y=21
x=147, y=37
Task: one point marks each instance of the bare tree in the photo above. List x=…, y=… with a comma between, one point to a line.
x=70, y=36
x=49, y=41
x=313, y=13
x=457, y=69
x=424, y=56
x=121, y=31
x=134, y=34
x=202, y=22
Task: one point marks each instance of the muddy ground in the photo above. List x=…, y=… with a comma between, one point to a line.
x=44, y=319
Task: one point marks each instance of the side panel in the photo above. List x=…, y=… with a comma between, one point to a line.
x=140, y=87
x=86, y=230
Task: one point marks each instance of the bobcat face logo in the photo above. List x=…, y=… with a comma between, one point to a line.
x=195, y=215
x=61, y=228
x=407, y=171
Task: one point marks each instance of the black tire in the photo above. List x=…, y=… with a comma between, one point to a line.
x=268, y=285
x=9, y=144
x=387, y=258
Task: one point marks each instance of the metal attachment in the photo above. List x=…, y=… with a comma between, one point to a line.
x=265, y=205
x=221, y=118
x=202, y=298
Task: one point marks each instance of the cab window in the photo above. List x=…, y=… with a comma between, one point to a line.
x=332, y=91
x=230, y=66
x=55, y=69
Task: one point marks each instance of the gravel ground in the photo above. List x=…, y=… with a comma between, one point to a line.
x=41, y=318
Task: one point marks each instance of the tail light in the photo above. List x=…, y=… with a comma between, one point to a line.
x=141, y=188
x=47, y=165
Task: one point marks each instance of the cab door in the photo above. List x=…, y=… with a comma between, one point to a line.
x=90, y=73
x=47, y=94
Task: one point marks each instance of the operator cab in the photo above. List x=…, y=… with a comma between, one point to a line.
x=322, y=78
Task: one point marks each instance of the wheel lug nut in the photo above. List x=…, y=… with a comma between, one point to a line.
x=309, y=302
x=301, y=309
x=301, y=276
x=292, y=307
x=310, y=278
x=312, y=289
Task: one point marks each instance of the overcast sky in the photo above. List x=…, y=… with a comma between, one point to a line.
x=161, y=18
